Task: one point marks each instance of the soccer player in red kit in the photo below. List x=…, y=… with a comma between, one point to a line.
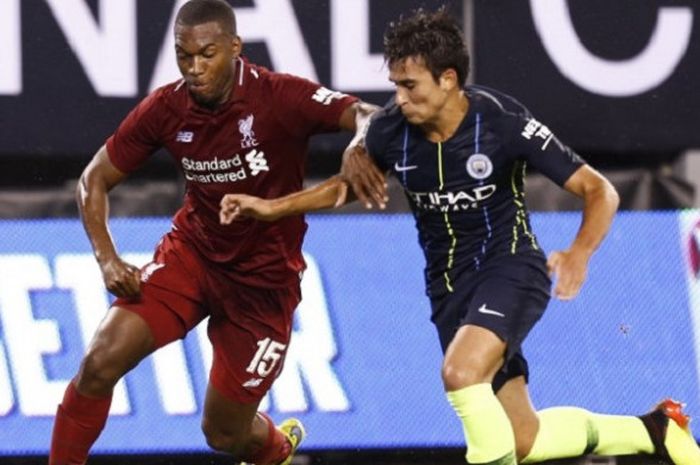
x=232, y=126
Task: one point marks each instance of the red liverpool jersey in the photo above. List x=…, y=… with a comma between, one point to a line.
x=255, y=144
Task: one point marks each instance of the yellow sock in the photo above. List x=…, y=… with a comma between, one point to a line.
x=571, y=432
x=621, y=435
x=486, y=426
x=564, y=432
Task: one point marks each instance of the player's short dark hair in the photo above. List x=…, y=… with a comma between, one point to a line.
x=434, y=36
x=196, y=12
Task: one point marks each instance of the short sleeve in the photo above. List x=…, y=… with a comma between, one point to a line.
x=137, y=137
x=535, y=143
x=305, y=108
x=375, y=142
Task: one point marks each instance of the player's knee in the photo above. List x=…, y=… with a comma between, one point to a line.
x=98, y=372
x=456, y=376
x=218, y=439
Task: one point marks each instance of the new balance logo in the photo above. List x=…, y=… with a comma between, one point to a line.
x=488, y=311
x=253, y=382
x=184, y=137
x=256, y=162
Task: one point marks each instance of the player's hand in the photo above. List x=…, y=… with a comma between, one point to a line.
x=366, y=180
x=237, y=206
x=121, y=278
x=341, y=194
x=570, y=268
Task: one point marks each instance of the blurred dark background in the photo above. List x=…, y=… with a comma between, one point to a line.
x=69, y=79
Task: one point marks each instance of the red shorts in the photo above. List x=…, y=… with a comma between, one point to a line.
x=249, y=328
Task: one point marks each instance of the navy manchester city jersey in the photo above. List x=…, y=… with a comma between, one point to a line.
x=466, y=193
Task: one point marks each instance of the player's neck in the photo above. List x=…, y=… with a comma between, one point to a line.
x=230, y=84
x=448, y=118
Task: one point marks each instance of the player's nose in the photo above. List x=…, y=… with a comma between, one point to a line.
x=196, y=66
x=400, y=98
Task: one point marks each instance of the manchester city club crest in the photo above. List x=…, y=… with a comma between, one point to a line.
x=479, y=166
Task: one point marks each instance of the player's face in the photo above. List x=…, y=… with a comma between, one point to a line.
x=417, y=94
x=205, y=54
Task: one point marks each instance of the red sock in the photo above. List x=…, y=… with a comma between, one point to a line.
x=79, y=421
x=276, y=448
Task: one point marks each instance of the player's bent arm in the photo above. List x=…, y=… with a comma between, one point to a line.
x=600, y=202
x=328, y=194
x=97, y=179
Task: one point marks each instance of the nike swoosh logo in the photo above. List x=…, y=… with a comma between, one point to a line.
x=400, y=168
x=488, y=311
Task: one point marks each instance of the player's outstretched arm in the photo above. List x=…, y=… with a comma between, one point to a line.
x=600, y=201
x=329, y=194
x=99, y=177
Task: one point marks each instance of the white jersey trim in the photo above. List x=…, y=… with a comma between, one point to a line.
x=491, y=97
x=241, y=65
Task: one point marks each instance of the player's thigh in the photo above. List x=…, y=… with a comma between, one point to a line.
x=122, y=339
x=250, y=331
x=509, y=300
x=172, y=299
x=473, y=356
x=449, y=310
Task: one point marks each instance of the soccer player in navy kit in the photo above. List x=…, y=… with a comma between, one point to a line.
x=460, y=155
x=231, y=126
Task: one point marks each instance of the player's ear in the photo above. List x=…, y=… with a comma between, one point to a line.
x=236, y=46
x=448, y=79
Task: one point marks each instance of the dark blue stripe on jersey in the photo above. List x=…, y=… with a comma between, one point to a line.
x=487, y=220
x=405, y=152
x=477, y=133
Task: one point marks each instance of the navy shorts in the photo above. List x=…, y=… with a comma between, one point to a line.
x=507, y=296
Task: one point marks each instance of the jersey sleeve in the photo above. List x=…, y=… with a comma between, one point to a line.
x=305, y=108
x=385, y=126
x=375, y=141
x=535, y=143
x=137, y=137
